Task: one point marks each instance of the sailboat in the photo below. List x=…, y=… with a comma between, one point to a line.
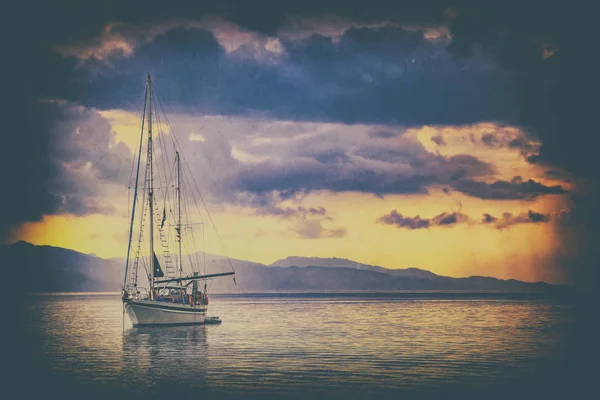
x=173, y=296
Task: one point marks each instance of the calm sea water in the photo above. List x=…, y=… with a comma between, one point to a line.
x=305, y=346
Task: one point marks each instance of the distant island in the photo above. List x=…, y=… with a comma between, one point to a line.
x=55, y=269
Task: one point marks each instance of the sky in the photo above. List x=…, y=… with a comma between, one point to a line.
x=451, y=136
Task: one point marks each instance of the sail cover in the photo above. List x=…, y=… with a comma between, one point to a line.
x=158, y=272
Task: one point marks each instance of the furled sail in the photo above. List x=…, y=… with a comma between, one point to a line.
x=158, y=272
x=164, y=217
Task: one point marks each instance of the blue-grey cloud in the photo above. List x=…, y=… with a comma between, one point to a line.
x=374, y=75
x=82, y=155
x=508, y=219
x=292, y=212
x=367, y=177
x=404, y=222
x=516, y=189
x=453, y=218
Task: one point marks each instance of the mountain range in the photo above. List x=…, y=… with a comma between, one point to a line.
x=55, y=269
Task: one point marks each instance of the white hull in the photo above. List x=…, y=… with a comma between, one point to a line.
x=146, y=312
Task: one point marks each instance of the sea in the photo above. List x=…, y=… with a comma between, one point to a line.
x=306, y=346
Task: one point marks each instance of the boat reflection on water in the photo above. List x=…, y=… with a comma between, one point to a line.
x=165, y=358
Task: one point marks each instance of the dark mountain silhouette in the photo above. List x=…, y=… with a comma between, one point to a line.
x=342, y=262
x=54, y=269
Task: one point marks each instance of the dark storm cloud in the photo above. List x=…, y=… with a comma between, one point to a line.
x=395, y=218
x=368, y=169
x=83, y=155
x=443, y=219
x=26, y=168
x=62, y=156
x=508, y=219
x=516, y=189
x=511, y=32
x=306, y=178
x=452, y=218
x=290, y=160
x=375, y=75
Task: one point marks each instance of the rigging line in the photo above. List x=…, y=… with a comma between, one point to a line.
x=128, y=208
x=142, y=216
x=189, y=184
x=161, y=136
x=140, y=127
x=133, y=159
x=186, y=212
x=162, y=141
x=198, y=190
x=139, y=255
x=138, y=142
x=189, y=255
x=171, y=212
x=199, y=263
x=156, y=170
x=185, y=235
x=203, y=265
x=199, y=266
x=210, y=219
x=167, y=197
x=134, y=197
x=159, y=177
x=164, y=152
x=144, y=266
x=166, y=193
x=158, y=187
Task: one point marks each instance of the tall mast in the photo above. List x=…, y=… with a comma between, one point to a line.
x=150, y=187
x=179, y=210
x=137, y=177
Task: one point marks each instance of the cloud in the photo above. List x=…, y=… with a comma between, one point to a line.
x=374, y=74
x=306, y=222
x=292, y=212
x=67, y=149
x=332, y=27
x=121, y=41
x=109, y=43
x=83, y=155
x=322, y=162
x=454, y=218
x=439, y=140
x=516, y=189
x=313, y=229
x=508, y=219
x=443, y=219
x=259, y=163
x=268, y=166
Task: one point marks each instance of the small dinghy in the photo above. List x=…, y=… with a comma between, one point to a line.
x=212, y=320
